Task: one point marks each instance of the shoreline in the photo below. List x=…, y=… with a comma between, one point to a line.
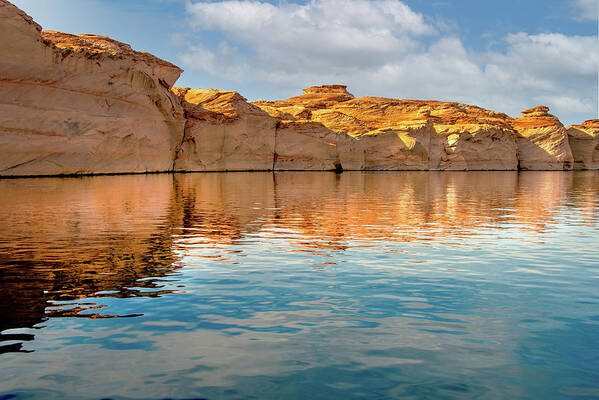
x=91, y=175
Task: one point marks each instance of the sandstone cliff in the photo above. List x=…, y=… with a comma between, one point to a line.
x=73, y=104
x=542, y=141
x=584, y=142
x=87, y=104
x=223, y=132
x=373, y=133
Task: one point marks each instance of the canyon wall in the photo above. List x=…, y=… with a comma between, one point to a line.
x=542, y=141
x=86, y=104
x=374, y=133
x=584, y=142
x=223, y=132
x=77, y=104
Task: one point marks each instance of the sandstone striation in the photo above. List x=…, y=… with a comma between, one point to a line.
x=374, y=133
x=584, y=142
x=87, y=104
x=223, y=132
x=542, y=141
x=77, y=104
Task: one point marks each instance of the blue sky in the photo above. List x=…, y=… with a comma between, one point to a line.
x=507, y=55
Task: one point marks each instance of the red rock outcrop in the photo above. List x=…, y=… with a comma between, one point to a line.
x=73, y=104
x=584, y=142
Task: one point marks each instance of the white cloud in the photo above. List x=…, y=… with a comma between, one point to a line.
x=384, y=48
x=330, y=31
x=224, y=62
x=589, y=9
x=554, y=55
x=242, y=17
x=553, y=69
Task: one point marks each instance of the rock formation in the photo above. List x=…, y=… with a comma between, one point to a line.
x=75, y=104
x=374, y=133
x=584, y=142
x=86, y=104
x=223, y=132
x=542, y=141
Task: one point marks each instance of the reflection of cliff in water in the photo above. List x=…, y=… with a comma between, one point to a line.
x=332, y=211
x=68, y=239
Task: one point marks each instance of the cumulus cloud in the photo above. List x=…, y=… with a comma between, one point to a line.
x=383, y=47
x=547, y=68
x=552, y=69
x=332, y=32
x=243, y=17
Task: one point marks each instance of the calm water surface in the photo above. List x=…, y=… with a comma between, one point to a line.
x=300, y=286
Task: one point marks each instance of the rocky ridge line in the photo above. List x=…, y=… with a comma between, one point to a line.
x=88, y=104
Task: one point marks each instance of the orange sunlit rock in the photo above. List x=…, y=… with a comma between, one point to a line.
x=375, y=133
x=88, y=104
x=542, y=141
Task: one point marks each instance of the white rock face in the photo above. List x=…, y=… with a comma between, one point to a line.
x=402, y=148
x=584, y=142
x=477, y=147
x=79, y=104
x=306, y=146
x=224, y=133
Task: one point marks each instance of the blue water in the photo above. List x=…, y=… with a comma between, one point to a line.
x=301, y=286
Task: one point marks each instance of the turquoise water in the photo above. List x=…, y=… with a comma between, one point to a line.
x=301, y=286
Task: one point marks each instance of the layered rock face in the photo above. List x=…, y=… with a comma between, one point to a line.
x=86, y=104
x=223, y=132
x=327, y=128
x=300, y=142
x=584, y=142
x=73, y=104
x=542, y=141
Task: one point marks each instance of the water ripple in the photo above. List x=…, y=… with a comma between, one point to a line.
x=300, y=285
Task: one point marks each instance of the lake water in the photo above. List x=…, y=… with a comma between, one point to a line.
x=301, y=286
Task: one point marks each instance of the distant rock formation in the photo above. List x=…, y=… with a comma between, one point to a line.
x=87, y=104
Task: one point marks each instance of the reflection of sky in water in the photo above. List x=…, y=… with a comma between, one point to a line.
x=302, y=286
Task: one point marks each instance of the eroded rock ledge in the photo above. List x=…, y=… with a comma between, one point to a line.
x=87, y=104
x=80, y=104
